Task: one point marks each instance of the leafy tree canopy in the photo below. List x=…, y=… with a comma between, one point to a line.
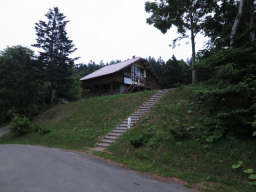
x=184, y=14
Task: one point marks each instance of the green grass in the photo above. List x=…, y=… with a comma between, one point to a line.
x=168, y=142
x=80, y=125
x=164, y=148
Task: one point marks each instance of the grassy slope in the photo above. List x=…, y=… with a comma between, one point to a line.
x=206, y=166
x=79, y=125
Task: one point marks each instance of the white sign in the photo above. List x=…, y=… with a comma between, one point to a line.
x=129, y=122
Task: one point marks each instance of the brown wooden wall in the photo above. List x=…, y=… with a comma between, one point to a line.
x=110, y=83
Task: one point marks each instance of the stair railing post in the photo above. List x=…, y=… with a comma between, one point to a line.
x=129, y=122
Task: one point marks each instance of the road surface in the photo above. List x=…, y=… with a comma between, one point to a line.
x=26, y=168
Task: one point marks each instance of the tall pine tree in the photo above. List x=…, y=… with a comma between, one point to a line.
x=55, y=48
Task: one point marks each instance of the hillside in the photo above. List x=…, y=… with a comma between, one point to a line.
x=80, y=124
x=171, y=142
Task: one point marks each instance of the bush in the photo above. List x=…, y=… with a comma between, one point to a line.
x=41, y=130
x=139, y=140
x=21, y=125
x=230, y=93
x=143, y=138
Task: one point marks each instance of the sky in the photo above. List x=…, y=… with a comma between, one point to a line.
x=100, y=30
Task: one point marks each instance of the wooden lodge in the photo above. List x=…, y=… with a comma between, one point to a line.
x=127, y=76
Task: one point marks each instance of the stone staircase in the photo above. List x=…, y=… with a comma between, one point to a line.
x=134, y=117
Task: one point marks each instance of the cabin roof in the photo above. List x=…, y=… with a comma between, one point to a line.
x=109, y=69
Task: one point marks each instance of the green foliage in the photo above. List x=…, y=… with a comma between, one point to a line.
x=56, y=47
x=172, y=73
x=21, y=125
x=237, y=165
x=185, y=15
x=218, y=26
x=192, y=152
x=80, y=124
x=140, y=140
x=74, y=92
x=230, y=94
x=253, y=183
x=22, y=86
x=252, y=176
x=149, y=137
x=248, y=171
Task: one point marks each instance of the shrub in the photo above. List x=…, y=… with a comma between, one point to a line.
x=41, y=130
x=139, y=140
x=21, y=125
x=143, y=138
x=231, y=92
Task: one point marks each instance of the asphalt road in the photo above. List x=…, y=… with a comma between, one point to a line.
x=39, y=169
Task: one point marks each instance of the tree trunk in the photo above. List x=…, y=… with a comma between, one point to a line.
x=53, y=94
x=236, y=23
x=252, y=19
x=194, y=74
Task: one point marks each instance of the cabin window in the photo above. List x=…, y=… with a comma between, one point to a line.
x=134, y=75
x=137, y=72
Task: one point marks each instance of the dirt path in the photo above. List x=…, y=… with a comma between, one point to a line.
x=4, y=130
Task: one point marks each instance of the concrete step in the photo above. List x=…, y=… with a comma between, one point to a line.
x=111, y=137
x=119, y=131
x=148, y=106
x=132, y=121
x=149, y=103
x=107, y=141
x=145, y=107
x=103, y=145
x=121, y=128
x=114, y=134
x=139, y=115
x=142, y=114
x=136, y=116
x=125, y=122
x=154, y=99
x=98, y=148
x=143, y=111
x=158, y=95
x=124, y=126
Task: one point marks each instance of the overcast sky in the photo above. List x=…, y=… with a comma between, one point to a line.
x=101, y=30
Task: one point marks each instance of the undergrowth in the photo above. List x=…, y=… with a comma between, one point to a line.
x=176, y=141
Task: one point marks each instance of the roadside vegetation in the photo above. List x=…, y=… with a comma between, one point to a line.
x=77, y=125
x=175, y=141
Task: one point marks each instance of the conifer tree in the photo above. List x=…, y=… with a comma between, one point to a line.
x=55, y=49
